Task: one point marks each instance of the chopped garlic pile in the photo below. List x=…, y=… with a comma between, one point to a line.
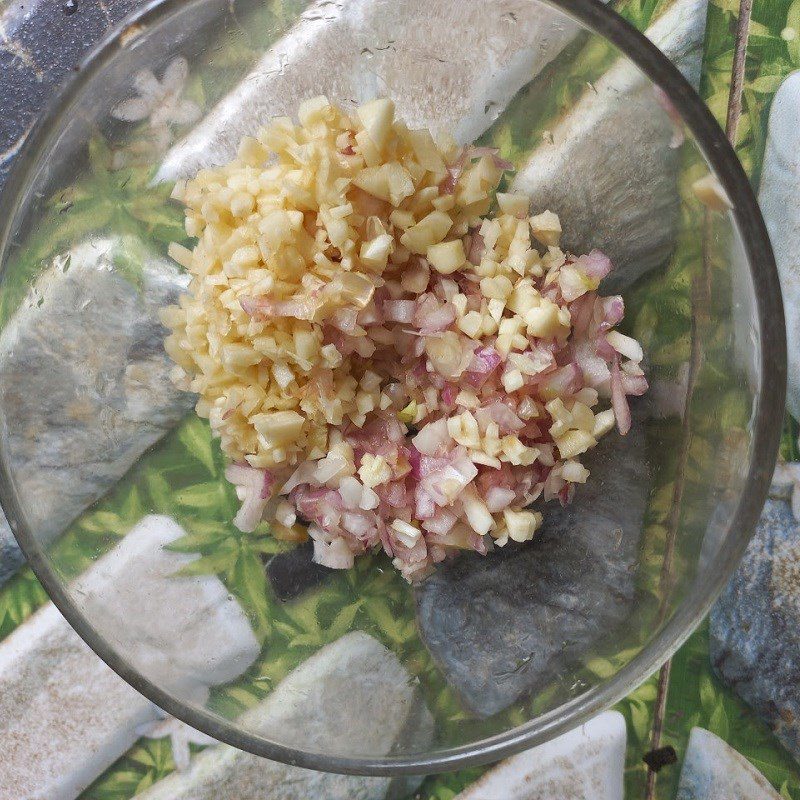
x=396, y=366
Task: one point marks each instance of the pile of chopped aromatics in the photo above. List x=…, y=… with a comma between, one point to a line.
x=380, y=355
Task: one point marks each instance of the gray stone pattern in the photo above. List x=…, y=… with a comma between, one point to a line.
x=42, y=44
x=755, y=647
x=84, y=385
x=503, y=625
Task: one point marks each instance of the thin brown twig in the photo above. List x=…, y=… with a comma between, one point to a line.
x=701, y=287
x=737, y=70
x=658, y=723
x=666, y=579
x=699, y=306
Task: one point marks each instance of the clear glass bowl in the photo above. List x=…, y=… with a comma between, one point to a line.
x=605, y=131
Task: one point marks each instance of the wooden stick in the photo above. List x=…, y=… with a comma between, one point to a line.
x=737, y=70
x=700, y=290
x=658, y=723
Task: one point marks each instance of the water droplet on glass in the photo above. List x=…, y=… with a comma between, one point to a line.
x=578, y=685
x=63, y=262
x=36, y=298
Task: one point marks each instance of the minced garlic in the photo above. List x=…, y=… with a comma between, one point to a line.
x=300, y=227
x=356, y=317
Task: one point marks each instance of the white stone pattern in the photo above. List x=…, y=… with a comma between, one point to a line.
x=352, y=698
x=65, y=716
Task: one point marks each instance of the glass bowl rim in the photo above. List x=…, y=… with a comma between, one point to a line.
x=601, y=20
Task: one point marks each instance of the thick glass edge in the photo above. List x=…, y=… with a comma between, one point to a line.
x=766, y=431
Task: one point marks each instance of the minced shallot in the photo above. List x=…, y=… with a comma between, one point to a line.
x=388, y=362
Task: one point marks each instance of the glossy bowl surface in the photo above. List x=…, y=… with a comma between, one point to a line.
x=701, y=293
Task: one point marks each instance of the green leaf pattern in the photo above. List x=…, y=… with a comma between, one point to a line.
x=183, y=476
